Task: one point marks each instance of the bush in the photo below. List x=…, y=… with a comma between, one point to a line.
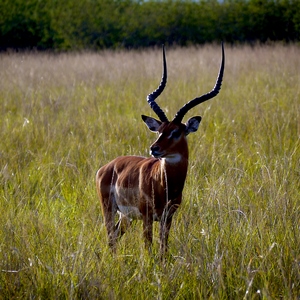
x=98, y=24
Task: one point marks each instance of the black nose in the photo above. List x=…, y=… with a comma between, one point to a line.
x=154, y=148
x=154, y=151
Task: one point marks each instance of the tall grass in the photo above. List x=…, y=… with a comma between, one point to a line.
x=236, y=234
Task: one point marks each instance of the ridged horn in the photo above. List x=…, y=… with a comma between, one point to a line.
x=214, y=92
x=151, y=97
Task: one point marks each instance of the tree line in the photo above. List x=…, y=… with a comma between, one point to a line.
x=98, y=24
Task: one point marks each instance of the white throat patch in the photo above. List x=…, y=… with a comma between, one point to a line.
x=173, y=159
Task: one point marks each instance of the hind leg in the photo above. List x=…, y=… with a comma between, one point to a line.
x=123, y=224
x=109, y=210
x=105, y=181
x=114, y=232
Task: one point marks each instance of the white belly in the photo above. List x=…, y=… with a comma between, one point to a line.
x=130, y=212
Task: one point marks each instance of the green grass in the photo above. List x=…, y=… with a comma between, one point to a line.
x=236, y=234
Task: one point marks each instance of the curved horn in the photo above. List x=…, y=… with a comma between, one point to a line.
x=151, y=97
x=214, y=92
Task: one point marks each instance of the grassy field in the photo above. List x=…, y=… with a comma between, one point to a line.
x=237, y=232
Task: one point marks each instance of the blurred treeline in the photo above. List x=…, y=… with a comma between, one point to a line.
x=97, y=24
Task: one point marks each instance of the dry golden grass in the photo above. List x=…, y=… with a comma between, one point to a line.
x=236, y=234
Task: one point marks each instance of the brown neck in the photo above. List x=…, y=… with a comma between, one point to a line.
x=174, y=171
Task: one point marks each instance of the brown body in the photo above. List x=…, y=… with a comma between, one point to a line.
x=150, y=189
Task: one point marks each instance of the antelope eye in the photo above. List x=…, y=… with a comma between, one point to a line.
x=175, y=134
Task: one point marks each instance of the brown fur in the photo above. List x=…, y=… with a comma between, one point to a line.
x=152, y=185
x=151, y=188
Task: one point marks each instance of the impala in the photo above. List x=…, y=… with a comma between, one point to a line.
x=150, y=188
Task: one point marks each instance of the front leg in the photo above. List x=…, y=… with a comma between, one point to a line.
x=148, y=233
x=165, y=224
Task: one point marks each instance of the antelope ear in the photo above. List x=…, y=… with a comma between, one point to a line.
x=192, y=124
x=152, y=123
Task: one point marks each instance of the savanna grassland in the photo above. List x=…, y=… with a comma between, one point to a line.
x=236, y=234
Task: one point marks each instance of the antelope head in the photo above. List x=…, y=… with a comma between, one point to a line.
x=172, y=133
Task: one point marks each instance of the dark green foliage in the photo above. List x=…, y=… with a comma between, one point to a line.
x=98, y=24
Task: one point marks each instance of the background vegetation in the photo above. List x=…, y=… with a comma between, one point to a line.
x=98, y=24
x=236, y=234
